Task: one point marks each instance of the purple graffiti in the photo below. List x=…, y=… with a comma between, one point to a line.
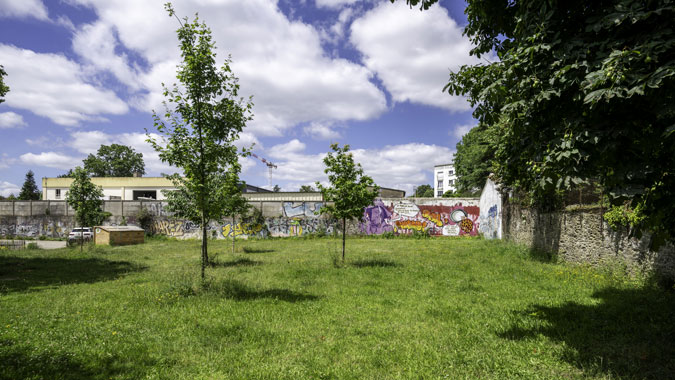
x=376, y=219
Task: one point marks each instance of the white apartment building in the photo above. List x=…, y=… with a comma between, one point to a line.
x=445, y=179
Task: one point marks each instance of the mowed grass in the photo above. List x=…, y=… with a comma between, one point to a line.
x=279, y=309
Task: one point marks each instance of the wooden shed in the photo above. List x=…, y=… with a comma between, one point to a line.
x=118, y=235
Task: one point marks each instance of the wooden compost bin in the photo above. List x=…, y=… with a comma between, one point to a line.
x=119, y=235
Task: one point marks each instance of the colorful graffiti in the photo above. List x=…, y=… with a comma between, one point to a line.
x=405, y=217
x=241, y=229
x=173, y=227
x=375, y=219
x=299, y=209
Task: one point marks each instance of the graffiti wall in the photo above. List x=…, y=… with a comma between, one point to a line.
x=295, y=219
x=440, y=218
x=35, y=227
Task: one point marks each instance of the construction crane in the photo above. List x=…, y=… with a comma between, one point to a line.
x=270, y=166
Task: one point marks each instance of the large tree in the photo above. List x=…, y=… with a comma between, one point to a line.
x=114, y=161
x=4, y=89
x=86, y=198
x=29, y=190
x=424, y=191
x=199, y=131
x=581, y=91
x=473, y=160
x=350, y=190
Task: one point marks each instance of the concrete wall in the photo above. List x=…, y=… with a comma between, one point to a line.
x=582, y=236
x=490, y=219
x=449, y=217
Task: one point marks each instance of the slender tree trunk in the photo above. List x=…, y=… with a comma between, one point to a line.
x=344, y=234
x=232, y=230
x=205, y=256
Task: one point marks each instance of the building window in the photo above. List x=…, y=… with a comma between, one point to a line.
x=58, y=193
x=440, y=184
x=440, y=193
x=452, y=182
x=451, y=172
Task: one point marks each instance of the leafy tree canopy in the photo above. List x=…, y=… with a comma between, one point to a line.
x=306, y=189
x=276, y=188
x=473, y=160
x=200, y=129
x=29, y=190
x=86, y=198
x=350, y=190
x=114, y=161
x=424, y=191
x=582, y=91
x=4, y=89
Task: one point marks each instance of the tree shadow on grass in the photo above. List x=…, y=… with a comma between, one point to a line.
x=374, y=263
x=19, y=274
x=256, y=250
x=630, y=333
x=240, y=262
x=242, y=292
x=19, y=361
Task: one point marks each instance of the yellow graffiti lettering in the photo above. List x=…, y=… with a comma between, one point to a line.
x=433, y=217
x=241, y=229
x=410, y=225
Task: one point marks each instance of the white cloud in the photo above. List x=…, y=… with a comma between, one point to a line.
x=51, y=160
x=53, y=86
x=11, y=120
x=460, y=130
x=286, y=150
x=334, y=3
x=96, y=43
x=413, y=52
x=394, y=166
x=321, y=131
x=23, y=9
x=7, y=188
x=280, y=62
x=89, y=142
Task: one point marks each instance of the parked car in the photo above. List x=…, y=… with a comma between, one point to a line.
x=80, y=233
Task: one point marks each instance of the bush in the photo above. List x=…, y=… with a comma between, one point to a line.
x=32, y=246
x=145, y=220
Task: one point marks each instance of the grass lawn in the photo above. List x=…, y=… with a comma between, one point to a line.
x=445, y=308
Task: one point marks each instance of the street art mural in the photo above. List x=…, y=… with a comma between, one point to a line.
x=242, y=229
x=300, y=209
x=34, y=227
x=405, y=217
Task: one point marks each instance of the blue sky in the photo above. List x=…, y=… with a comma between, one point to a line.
x=365, y=73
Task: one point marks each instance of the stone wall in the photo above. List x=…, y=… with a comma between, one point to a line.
x=582, y=236
x=449, y=217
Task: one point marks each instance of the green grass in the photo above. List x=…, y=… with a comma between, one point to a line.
x=279, y=309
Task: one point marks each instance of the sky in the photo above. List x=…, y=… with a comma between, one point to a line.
x=367, y=73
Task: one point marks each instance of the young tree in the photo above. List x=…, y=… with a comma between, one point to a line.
x=4, y=89
x=29, y=190
x=86, y=198
x=114, y=161
x=234, y=201
x=350, y=190
x=306, y=189
x=200, y=130
x=276, y=188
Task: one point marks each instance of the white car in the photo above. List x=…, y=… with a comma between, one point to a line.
x=80, y=233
